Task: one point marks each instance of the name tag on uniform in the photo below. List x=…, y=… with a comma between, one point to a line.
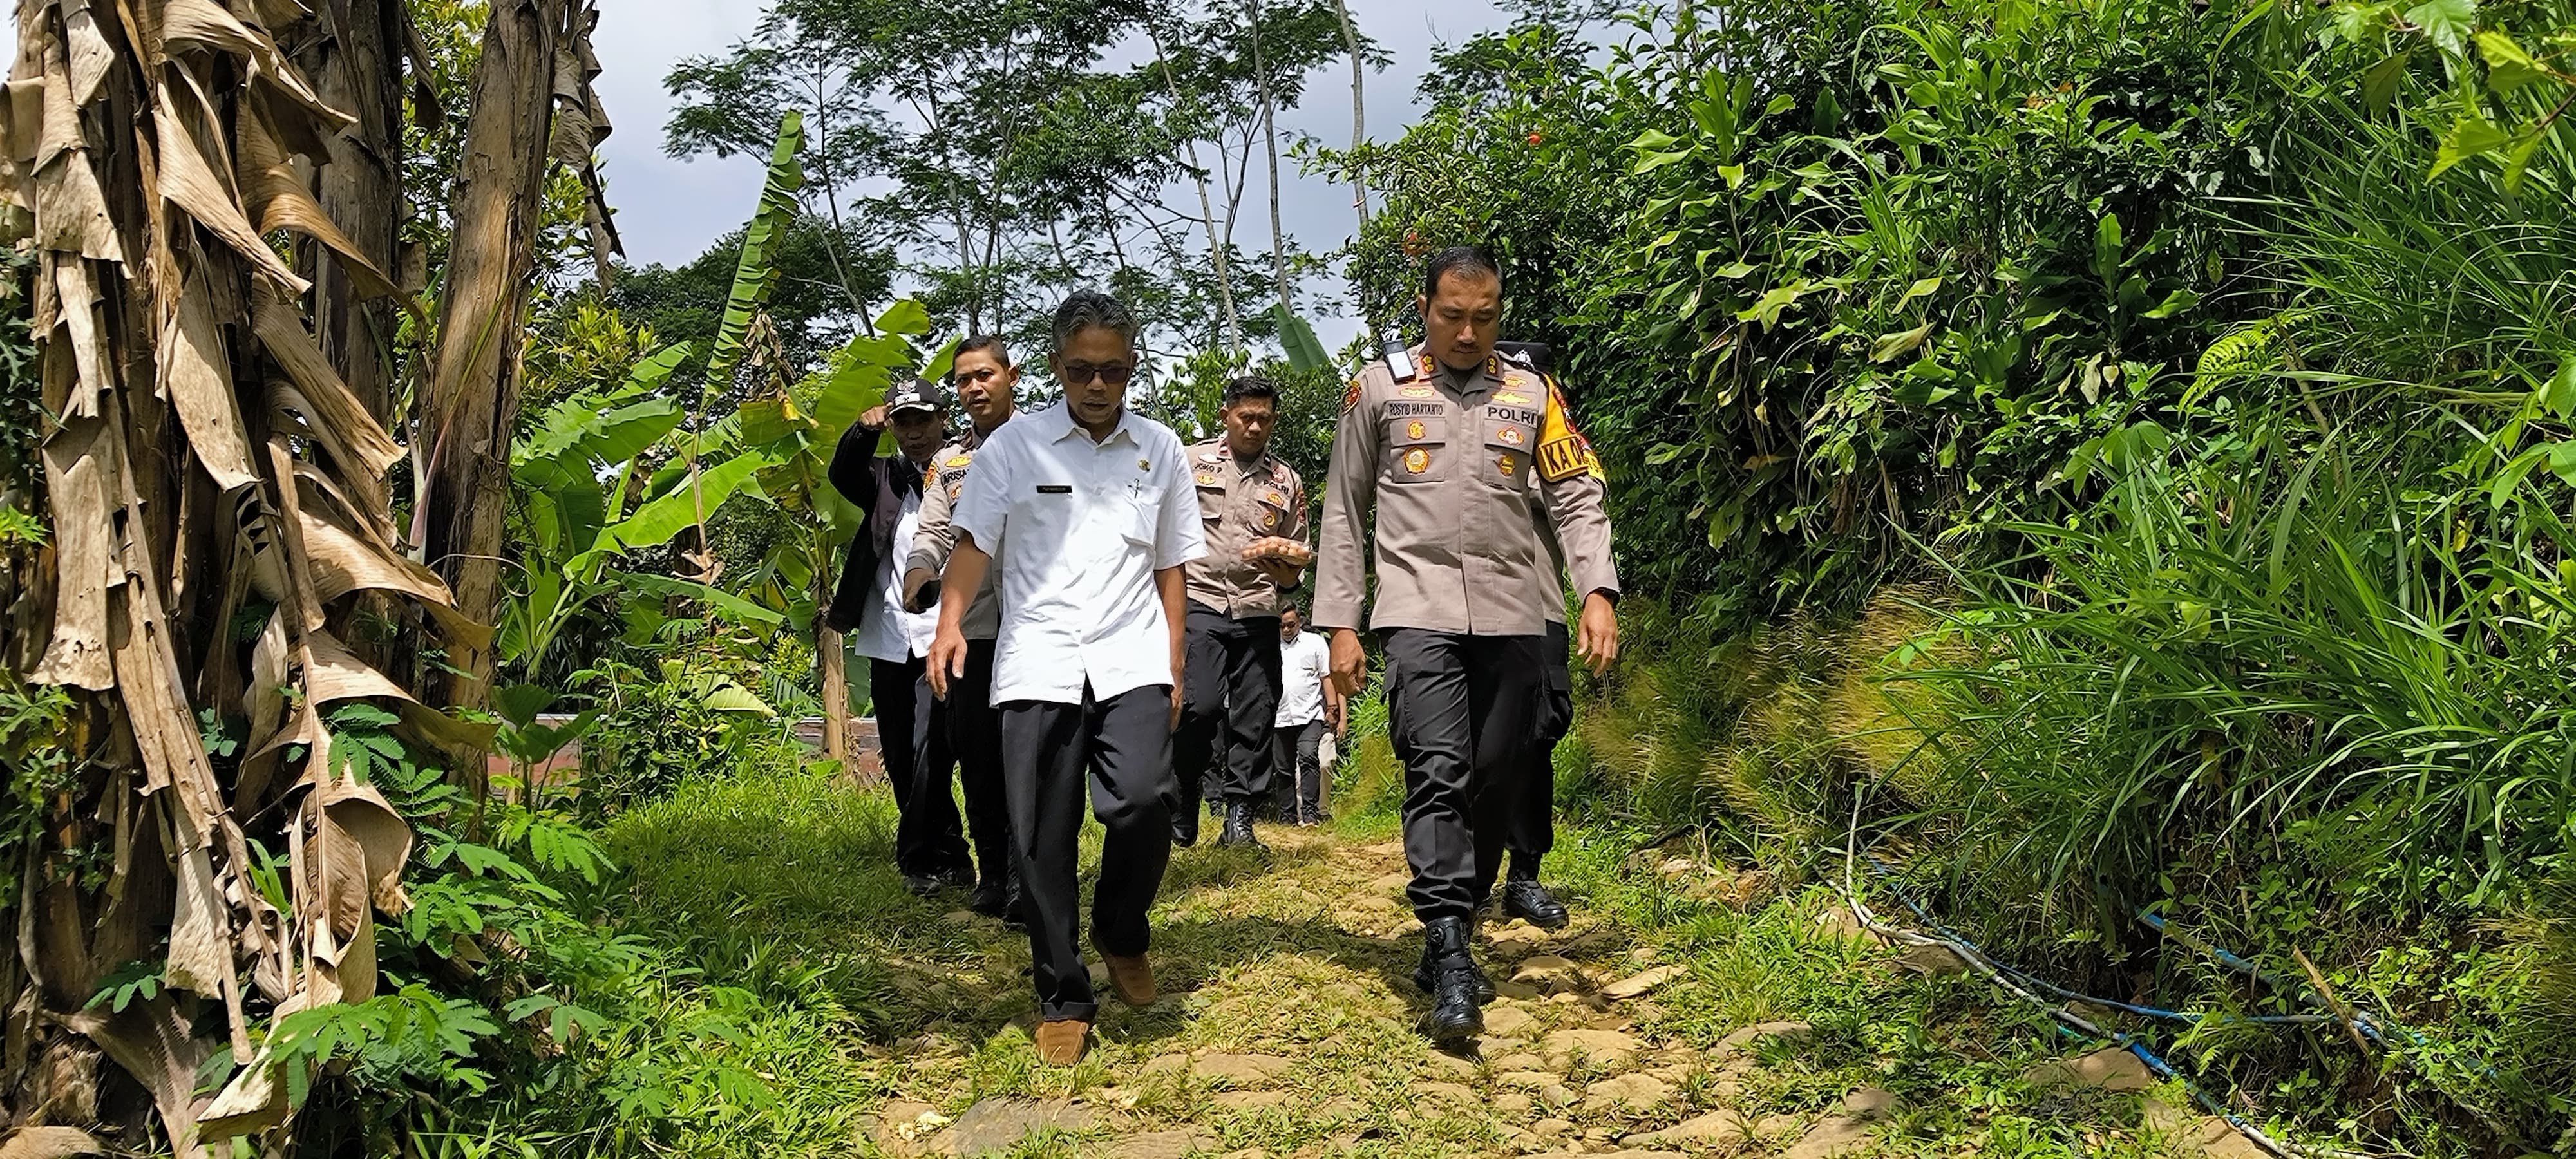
x=1055, y=489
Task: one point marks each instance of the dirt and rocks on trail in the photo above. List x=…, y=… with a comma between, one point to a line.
x=1286, y=1030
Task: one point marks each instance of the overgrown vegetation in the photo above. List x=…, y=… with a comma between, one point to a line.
x=2115, y=451
x=2101, y=467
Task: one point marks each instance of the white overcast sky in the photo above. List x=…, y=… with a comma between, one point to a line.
x=668, y=211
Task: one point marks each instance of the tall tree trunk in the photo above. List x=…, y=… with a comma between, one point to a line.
x=1207, y=206
x=1270, y=140
x=1359, y=108
x=472, y=399
x=207, y=469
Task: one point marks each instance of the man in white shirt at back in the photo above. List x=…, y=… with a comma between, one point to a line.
x=1093, y=513
x=1308, y=704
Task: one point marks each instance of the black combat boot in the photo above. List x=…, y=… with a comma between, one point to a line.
x=990, y=898
x=1185, y=826
x=1238, y=827
x=1426, y=974
x=1526, y=899
x=1454, y=1013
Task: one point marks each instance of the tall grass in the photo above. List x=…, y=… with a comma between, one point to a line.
x=2264, y=657
x=1763, y=736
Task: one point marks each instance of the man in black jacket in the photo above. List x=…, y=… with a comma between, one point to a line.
x=912, y=730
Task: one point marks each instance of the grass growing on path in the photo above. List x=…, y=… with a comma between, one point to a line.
x=871, y=1018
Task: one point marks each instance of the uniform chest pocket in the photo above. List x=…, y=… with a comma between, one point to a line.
x=1418, y=449
x=1211, y=496
x=1506, y=459
x=1135, y=519
x=1270, y=512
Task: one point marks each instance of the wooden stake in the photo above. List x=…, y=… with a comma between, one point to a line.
x=836, y=696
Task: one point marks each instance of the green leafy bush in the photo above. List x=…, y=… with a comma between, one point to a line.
x=683, y=720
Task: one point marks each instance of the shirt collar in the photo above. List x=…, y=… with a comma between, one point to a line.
x=1431, y=369
x=1260, y=463
x=1067, y=428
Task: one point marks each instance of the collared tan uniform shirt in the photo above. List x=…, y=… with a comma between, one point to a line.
x=936, y=537
x=1240, y=503
x=1453, y=470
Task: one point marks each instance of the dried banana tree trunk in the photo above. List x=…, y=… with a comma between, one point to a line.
x=533, y=107
x=219, y=505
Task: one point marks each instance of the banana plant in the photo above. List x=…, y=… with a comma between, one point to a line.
x=585, y=458
x=755, y=279
x=575, y=473
x=797, y=429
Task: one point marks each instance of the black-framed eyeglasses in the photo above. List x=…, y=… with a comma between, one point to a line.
x=1082, y=373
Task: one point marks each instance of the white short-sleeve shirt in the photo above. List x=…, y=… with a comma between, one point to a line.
x=1084, y=526
x=1304, y=664
x=887, y=632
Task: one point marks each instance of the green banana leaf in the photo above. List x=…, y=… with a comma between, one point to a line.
x=723, y=603
x=860, y=374
x=756, y=274
x=1305, y=352
x=907, y=317
x=656, y=522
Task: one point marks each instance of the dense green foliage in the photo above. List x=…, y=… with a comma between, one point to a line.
x=2207, y=368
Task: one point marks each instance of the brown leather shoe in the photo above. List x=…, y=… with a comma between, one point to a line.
x=1062, y=1042
x=1131, y=977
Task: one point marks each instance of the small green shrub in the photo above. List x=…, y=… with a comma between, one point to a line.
x=660, y=729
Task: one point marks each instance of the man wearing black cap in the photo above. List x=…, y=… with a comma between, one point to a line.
x=930, y=842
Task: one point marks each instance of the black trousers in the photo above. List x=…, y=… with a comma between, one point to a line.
x=1533, y=829
x=1124, y=745
x=1230, y=698
x=975, y=735
x=1462, y=710
x=912, y=740
x=1294, y=747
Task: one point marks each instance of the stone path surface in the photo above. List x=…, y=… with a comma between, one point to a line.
x=1286, y=1031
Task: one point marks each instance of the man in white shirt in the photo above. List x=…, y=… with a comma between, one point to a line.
x=1091, y=509
x=1308, y=703
x=912, y=730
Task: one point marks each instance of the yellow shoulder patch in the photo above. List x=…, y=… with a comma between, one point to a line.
x=1563, y=452
x=1351, y=397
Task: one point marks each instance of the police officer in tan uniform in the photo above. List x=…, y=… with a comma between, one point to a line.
x=1448, y=446
x=984, y=379
x=1252, y=508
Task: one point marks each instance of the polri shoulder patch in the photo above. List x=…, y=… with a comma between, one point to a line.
x=1563, y=452
x=1351, y=397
